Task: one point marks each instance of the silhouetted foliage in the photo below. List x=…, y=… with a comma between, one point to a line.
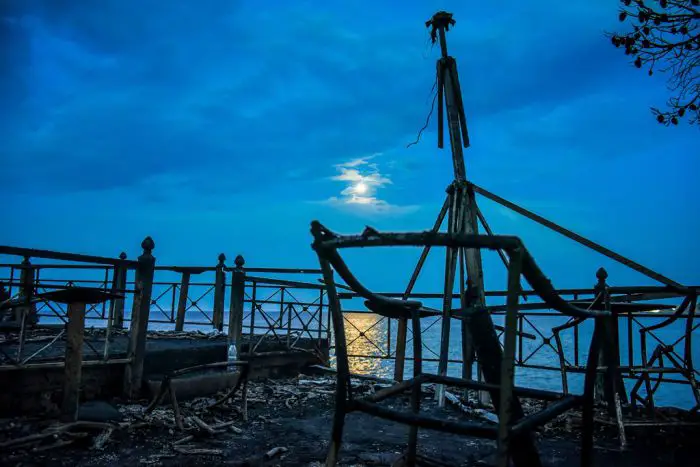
x=666, y=37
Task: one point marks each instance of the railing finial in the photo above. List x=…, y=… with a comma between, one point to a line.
x=601, y=274
x=239, y=261
x=222, y=258
x=148, y=245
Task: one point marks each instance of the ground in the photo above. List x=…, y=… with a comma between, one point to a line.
x=295, y=416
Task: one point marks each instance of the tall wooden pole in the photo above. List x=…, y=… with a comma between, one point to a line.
x=478, y=334
x=464, y=215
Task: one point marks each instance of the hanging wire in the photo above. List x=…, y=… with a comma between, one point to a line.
x=434, y=93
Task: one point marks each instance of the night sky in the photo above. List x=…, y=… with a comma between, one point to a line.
x=227, y=126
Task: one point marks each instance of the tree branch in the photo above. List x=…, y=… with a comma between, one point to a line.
x=666, y=37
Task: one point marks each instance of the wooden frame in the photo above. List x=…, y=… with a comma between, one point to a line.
x=513, y=432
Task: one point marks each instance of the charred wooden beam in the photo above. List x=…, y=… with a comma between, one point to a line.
x=481, y=430
x=60, y=256
x=578, y=238
x=539, y=394
x=545, y=415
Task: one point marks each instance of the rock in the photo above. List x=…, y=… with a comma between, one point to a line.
x=99, y=411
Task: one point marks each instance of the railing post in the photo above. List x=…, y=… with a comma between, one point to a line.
x=116, y=305
x=143, y=288
x=26, y=279
x=219, y=294
x=599, y=391
x=320, y=319
x=182, y=301
x=235, y=318
x=117, y=314
x=609, y=385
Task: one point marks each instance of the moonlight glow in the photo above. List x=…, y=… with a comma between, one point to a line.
x=360, y=188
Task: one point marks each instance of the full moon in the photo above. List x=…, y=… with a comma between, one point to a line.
x=360, y=188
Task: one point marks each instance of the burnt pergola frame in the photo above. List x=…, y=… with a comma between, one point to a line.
x=513, y=432
x=464, y=216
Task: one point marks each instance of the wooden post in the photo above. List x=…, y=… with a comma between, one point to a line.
x=505, y=411
x=475, y=273
x=26, y=279
x=25, y=314
x=235, y=318
x=117, y=304
x=219, y=294
x=139, y=320
x=609, y=386
x=182, y=301
x=449, y=281
x=465, y=219
x=74, y=362
x=601, y=392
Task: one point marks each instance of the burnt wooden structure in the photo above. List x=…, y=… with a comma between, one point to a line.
x=513, y=432
x=459, y=208
x=464, y=216
x=463, y=265
x=80, y=364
